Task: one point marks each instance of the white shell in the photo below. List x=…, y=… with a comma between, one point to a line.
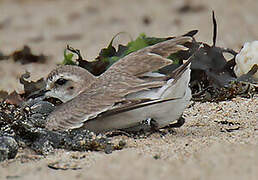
x=246, y=58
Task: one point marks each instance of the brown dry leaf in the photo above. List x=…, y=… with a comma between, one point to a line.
x=14, y=98
x=31, y=86
x=25, y=56
x=3, y=95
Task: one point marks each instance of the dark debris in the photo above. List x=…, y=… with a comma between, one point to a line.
x=63, y=166
x=3, y=95
x=8, y=148
x=146, y=20
x=3, y=56
x=212, y=76
x=190, y=8
x=230, y=129
x=14, y=98
x=25, y=56
x=26, y=126
x=229, y=126
x=31, y=87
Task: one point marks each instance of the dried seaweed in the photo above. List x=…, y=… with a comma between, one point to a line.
x=3, y=56
x=212, y=76
x=107, y=56
x=26, y=126
x=3, y=95
x=14, y=98
x=31, y=87
x=190, y=8
x=96, y=67
x=25, y=56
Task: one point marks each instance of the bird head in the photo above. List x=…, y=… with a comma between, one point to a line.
x=66, y=82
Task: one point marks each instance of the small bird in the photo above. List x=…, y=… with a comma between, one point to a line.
x=130, y=94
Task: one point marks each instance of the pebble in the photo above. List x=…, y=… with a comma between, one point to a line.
x=8, y=148
x=38, y=106
x=42, y=107
x=38, y=111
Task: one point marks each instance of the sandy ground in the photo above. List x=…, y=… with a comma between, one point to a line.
x=203, y=148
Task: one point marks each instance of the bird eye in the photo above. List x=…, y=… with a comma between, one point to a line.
x=61, y=81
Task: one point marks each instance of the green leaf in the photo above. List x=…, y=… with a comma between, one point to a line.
x=152, y=40
x=174, y=57
x=137, y=44
x=110, y=50
x=68, y=58
x=110, y=56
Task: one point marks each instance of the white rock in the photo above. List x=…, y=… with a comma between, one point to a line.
x=247, y=57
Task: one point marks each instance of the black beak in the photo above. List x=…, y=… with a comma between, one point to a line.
x=38, y=93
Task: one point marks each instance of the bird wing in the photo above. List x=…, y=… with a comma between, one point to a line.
x=88, y=106
x=148, y=59
x=85, y=106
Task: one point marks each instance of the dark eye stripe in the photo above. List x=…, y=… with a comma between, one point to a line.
x=61, y=81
